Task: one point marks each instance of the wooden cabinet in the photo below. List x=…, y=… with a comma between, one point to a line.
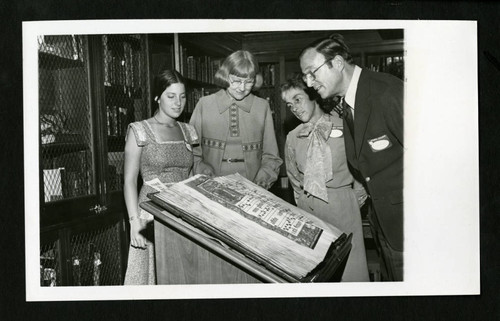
x=90, y=88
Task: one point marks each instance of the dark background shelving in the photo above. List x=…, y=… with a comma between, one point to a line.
x=82, y=225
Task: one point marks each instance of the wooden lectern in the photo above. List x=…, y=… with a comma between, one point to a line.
x=209, y=261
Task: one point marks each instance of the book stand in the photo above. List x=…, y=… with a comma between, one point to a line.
x=203, y=259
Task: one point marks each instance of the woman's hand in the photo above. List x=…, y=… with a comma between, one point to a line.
x=206, y=169
x=362, y=199
x=208, y=172
x=361, y=195
x=137, y=240
x=360, y=192
x=263, y=184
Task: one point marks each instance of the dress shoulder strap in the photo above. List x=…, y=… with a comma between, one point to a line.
x=190, y=134
x=139, y=130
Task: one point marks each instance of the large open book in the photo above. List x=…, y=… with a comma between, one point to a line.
x=253, y=220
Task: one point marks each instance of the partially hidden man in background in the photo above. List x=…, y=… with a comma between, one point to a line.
x=372, y=105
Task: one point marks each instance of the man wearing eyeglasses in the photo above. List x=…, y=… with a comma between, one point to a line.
x=372, y=105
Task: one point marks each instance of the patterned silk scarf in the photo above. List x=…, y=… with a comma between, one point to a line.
x=318, y=157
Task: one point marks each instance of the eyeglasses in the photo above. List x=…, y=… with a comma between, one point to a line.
x=311, y=75
x=237, y=82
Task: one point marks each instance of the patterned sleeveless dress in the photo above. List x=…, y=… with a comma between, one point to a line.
x=170, y=162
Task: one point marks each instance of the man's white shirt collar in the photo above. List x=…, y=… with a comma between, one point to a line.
x=350, y=95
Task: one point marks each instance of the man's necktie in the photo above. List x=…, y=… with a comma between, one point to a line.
x=347, y=114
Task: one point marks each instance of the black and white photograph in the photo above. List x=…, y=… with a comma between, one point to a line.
x=173, y=159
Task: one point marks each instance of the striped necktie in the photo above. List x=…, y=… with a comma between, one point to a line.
x=347, y=114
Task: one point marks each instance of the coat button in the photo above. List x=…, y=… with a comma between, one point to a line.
x=367, y=179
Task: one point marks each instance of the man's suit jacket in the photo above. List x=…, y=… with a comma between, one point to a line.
x=376, y=151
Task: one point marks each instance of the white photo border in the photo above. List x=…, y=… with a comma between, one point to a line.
x=441, y=161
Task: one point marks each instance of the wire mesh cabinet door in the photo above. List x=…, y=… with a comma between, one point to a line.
x=66, y=138
x=90, y=89
x=67, y=148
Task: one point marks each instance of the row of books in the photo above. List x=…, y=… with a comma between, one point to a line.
x=86, y=270
x=382, y=64
x=201, y=68
x=269, y=94
x=86, y=267
x=48, y=267
x=60, y=183
x=118, y=117
x=122, y=64
x=192, y=98
x=115, y=174
x=63, y=46
x=269, y=73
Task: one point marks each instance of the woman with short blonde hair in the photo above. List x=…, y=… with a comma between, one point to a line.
x=235, y=126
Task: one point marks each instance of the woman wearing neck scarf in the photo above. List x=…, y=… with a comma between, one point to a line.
x=317, y=169
x=235, y=126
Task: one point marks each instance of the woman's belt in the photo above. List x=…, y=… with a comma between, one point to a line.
x=233, y=160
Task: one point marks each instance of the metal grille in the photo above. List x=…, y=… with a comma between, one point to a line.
x=65, y=117
x=50, y=264
x=96, y=258
x=126, y=91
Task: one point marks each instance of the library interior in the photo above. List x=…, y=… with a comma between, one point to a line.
x=91, y=87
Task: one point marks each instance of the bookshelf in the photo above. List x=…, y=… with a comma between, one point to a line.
x=198, y=62
x=388, y=62
x=90, y=89
x=126, y=95
x=66, y=146
x=198, y=56
x=271, y=70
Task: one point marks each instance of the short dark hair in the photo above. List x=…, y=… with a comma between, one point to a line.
x=163, y=79
x=330, y=47
x=295, y=81
x=241, y=63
